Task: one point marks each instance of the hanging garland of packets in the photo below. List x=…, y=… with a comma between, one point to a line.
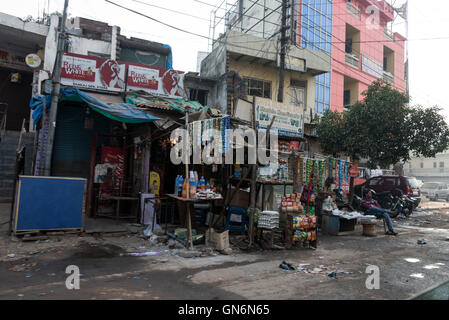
x=198, y=129
x=321, y=169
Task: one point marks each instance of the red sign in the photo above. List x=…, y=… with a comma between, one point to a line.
x=157, y=81
x=103, y=74
x=143, y=78
x=354, y=170
x=92, y=73
x=76, y=71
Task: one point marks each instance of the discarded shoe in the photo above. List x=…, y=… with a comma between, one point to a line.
x=284, y=266
x=288, y=265
x=332, y=275
x=422, y=241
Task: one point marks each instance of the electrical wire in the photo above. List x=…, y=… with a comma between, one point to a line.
x=171, y=10
x=179, y=29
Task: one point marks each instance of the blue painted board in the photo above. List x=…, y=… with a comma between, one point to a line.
x=47, y=203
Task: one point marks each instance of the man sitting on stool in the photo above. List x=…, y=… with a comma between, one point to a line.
x=373, y=208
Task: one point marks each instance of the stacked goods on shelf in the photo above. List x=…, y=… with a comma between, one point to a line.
x=283, y=170
x=291, y=203
x=274, y=172
x=305, y=228
x=268, y=220
x=284, y=146
x=304, y=224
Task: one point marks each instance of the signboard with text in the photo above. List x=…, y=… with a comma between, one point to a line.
x=158, y=81
x=289, y=120
x=87, y=72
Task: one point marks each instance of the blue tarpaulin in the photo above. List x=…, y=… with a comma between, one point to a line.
x=123, y=112
x=170, y=57
x=36, y=104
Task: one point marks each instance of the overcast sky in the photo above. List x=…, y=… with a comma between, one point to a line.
x=429, y=68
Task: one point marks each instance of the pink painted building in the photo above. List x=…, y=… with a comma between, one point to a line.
x=355, y=34
x=363, y=50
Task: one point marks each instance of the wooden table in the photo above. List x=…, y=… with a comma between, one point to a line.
x=118, y=199
x=187, y=203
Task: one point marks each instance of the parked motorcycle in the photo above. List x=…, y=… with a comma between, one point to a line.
x=402, y=204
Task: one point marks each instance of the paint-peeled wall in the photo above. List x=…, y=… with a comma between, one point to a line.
x=271, y=74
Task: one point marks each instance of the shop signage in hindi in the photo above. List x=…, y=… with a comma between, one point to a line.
x=158, y=81
x=287, y=121
x=92, y=73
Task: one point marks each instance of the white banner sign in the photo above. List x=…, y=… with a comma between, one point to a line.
x=289, y=120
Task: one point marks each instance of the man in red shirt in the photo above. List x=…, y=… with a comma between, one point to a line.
x=373, y=208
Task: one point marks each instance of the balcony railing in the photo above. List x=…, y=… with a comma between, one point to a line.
x=388, y=77
x=388, y=33
x=352, y=60
x=352, y=9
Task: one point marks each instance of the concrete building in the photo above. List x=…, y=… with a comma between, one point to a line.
x=245, y=60
x=363, y=49
x=17, y=40
x=18, y=82
x=429, y=169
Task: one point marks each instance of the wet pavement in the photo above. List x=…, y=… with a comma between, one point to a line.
x=37, y=270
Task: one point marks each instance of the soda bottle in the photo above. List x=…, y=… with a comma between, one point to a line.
x=180, y=186
x=202, y=184
x=192, y=183
x=184, y=188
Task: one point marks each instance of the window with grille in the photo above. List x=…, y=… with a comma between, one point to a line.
x=258, y=88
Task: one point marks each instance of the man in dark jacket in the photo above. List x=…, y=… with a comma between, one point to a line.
x=373, y=208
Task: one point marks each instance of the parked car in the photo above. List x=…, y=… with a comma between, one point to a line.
x=397, y=185
x=435, y=190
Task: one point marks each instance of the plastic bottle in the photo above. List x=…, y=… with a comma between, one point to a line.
x=202, y=184
x=192, y=183
x=175, y=189
x=184, y=188
x=237, y=171
x=180, y=185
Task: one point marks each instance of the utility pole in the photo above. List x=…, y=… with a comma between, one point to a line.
x=284, y=40
x=56, y=80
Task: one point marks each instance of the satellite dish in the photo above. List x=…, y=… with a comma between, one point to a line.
x=33, y=60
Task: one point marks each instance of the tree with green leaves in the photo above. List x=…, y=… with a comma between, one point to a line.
x=383, y=129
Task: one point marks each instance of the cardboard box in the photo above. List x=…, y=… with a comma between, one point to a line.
x=218, y=220
x=241, y=198
x=219, y=240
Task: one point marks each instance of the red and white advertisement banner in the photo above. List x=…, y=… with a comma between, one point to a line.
x=158, y=81
x=92, y=73
x=102, y=74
